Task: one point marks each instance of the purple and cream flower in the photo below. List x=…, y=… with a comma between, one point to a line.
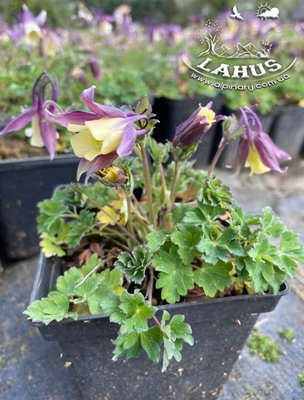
x=42, y=132
x=256, y=150
x=28, y=28
x=101, y=135
x=194, y=128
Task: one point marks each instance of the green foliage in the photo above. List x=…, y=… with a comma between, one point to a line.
x=215, y=245
x=134, y=264
x=171, y=334
x=287, y=334
x=264, y=347
x=213, y=277
x=54, y=307
x=301, y=379
x=175, y=278
x=87, y=290
x=156, y=239
x=187, y=239
x=69, y=216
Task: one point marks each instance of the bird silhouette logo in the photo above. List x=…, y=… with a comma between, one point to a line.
x=235, y=14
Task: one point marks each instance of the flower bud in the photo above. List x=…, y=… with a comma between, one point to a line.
x=112, y=176
x=193, y=129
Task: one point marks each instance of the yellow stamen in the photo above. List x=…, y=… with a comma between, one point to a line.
x=206, y=112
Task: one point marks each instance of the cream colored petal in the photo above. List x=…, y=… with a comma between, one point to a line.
x=36, y=139
x=85, y=146
x=76, y=128
x=254, y=162
x=104, y=127
x=111, y=143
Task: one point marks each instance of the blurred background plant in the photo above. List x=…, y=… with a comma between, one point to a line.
x=136, y=49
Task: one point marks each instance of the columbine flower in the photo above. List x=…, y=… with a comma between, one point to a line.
x=256, y=150
x=42, y=132
x=101, y=135
x=191, y=131
x=29, y=27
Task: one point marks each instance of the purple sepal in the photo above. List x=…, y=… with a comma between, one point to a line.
x=20, y=122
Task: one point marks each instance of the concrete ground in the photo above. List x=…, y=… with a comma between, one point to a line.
x=31, y=369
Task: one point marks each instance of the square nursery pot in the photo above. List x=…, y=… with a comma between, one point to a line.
x=228, y=156
x=173, y=112
x=288, y=129
x=23, y=183
x=220, y=329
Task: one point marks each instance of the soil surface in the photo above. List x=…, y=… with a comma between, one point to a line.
x=14, y=148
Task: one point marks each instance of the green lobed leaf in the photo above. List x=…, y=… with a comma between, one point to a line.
x=186, y=239
x=80, y=227
x=54, y=307
x=66, y=283
x=271, y=224
x=156, y=239
x=50, y=246
x=175, y=278
x=213, y=277
x=137, y=312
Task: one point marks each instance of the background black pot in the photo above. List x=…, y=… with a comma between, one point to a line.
x=220, y=329
x=173, y=112
x=23, y=183
x=288, y=129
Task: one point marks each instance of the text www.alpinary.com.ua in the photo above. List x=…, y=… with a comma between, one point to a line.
x=229, y=86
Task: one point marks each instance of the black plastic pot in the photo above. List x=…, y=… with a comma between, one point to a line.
x=288, y=129
x=23, y=183
x=220, y=329
x=173, y=112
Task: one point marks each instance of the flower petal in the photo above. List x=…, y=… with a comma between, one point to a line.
x=19, y=122
x=254, y=162
x=36, y=138
x=111, y=142
x=87, y=97
x=49, y=137
x=270, y=153
x=103, y=128
x=85, y=145
x=71, y=117
x=101, y=162
x=127, y=142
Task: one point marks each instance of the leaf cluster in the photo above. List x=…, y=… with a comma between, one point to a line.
x=85, y=290
x=68, y=217
x=217, y=247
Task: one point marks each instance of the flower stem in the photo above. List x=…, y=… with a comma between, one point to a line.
x=174, y=184
x=163, y=179
x=150, y=285
x=130, y=222
x=147, y=183
x=222, y=145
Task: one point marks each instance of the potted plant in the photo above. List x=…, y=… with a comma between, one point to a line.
x=26, y=181
x=156, y=263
